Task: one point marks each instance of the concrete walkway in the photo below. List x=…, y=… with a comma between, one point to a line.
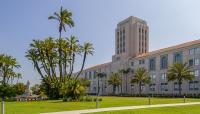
x=122, y=108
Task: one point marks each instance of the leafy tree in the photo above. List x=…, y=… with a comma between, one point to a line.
x=140, y=77
x=100, y=75
x=20, y=88
x=7, y=90
x=114, y=80
x=36, y=89
x=8, y=64
x=45, y=58
x=73, y=90
x=180, y=72
x=84, y=82
x=64, y=17
x=124, y=72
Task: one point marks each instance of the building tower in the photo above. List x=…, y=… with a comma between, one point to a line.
x=131, y=38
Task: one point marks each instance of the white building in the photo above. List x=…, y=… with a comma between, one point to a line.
x=132, y=51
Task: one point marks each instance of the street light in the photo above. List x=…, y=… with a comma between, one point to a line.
x=132, y=87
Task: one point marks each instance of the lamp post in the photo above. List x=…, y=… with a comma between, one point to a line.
x=132, y=87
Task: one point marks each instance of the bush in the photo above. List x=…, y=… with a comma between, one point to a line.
x=100, y=99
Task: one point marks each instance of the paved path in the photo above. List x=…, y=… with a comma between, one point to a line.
x=122, y=108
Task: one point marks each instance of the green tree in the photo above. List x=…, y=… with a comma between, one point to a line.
x=87, y=50
x=140, y=77
x=73, y=90
x=19, y=88
x=114, y=80
x=36, y=89
x=64, y=17
x=8, y=64
x=84, y=82
x=100, y=75
x=124, y=73
x=180, y=72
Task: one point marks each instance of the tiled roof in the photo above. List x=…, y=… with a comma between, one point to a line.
x=98, y=66
x=187, y=44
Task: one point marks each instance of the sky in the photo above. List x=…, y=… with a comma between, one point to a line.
x=170, y=22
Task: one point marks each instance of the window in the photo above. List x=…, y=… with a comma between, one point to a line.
x=196, y=50
x=191, y=51
x=90, y=75
x=196, y=72
x=152, y=87
x=191, y=63
x=142, y=61
x=163, y=62
x=86, y=77
x=177, y=57
x=176, y=86
x=152, y=76
x=95, y=73
x=152, y=64
x=163, y=76
x=196, y=61
x=132, y=63
x=193, y=85
x=164, y=87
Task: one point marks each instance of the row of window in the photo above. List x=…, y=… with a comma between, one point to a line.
x=193, y=85
x=121, y=41
x=142, y=41
x=163, y=76
x=194, y=51
x=177, y=57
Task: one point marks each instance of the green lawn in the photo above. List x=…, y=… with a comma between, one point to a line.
x=35, y=107
x=192, y=109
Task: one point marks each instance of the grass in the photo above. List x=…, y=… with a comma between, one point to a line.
x=34, y=107
x=192, y=109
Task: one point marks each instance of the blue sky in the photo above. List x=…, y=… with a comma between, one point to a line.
x=171, y=22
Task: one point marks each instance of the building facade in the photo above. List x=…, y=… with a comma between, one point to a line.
x=132, y=51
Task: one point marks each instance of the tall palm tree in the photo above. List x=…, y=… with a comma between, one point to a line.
x=100, y=75
x=114, y=80
x=64, y=17
x=7, y=66
x=140, y=77
x=125, y=72
x=87, y=50
x=179, y=71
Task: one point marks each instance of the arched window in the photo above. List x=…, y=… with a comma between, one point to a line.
x=163, y=62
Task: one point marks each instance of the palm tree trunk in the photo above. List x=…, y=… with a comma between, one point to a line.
x=2, y=105
x=60, y=54
x=126, y=83
x=83, y=64
x=113, y=89
x=179, y=88
x=102, y=84
x=121, y=89
x=140, y=88
x=98, y=87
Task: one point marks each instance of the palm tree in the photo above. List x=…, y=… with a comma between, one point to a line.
x=114, y=80
x=140, y=77
x=7, y=66
x=18, y=76
x=125, y=72
x=100, y=75
x=179, y=71
x=64, y=17
x=88, y=50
